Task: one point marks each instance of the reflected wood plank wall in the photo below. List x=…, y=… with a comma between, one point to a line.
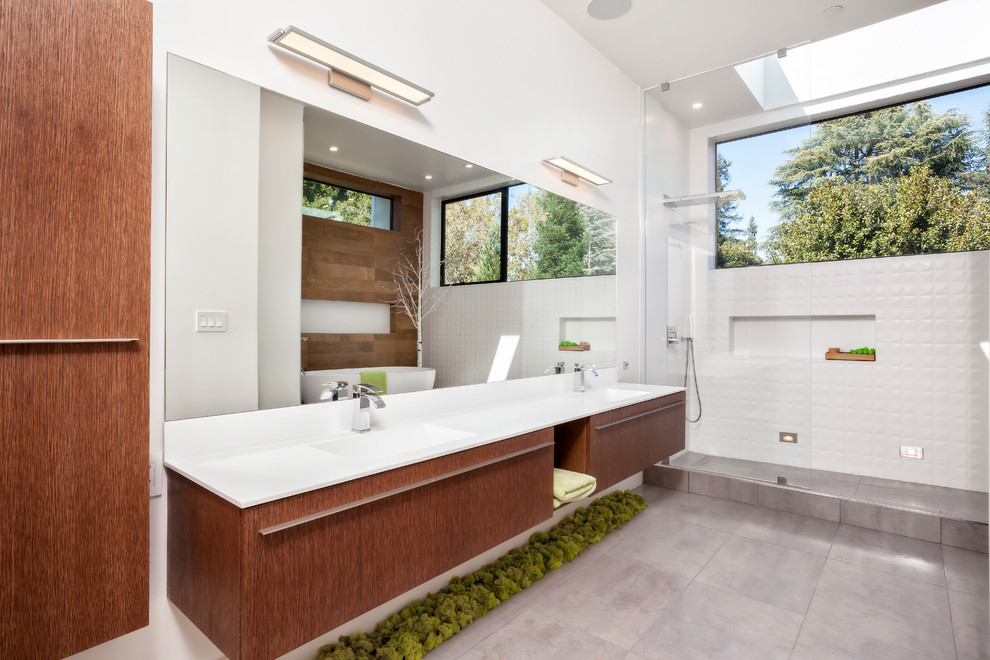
x=353, y=263
x=75, y=176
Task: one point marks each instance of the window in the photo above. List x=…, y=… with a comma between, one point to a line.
x=524, y=233
x=324, y=200
x=899, y=180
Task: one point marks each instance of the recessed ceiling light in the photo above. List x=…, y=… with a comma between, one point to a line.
x=429, y=176
x=832, y=11
x=606, y=10
x=468, y=165
x=698, y=106
x=333, y=149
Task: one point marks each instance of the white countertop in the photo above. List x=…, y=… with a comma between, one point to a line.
x=263, y=472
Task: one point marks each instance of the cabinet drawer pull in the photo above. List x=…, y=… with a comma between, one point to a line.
x=109, y=340
x=374, y=498
x=642, y=414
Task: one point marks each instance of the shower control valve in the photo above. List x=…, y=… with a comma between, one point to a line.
x=672, y=337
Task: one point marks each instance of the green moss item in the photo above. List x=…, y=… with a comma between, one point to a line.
x=569, y=343
x=422, y=625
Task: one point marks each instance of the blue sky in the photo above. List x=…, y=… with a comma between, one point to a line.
x=755, y=159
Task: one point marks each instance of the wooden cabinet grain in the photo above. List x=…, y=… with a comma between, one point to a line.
x=264, y=580
x=628, y=440
x=75, y=171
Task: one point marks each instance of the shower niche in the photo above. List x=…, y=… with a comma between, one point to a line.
x=799, y=336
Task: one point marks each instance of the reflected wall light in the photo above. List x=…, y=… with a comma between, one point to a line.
x=570, y=172
x=348, y=73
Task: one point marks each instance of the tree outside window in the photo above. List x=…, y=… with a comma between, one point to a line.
x=908, y=179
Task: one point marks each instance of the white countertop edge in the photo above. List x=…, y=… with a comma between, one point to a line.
x=247, y=495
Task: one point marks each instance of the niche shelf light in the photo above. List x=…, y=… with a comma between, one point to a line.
x=703, y=198
x=570, y=172
x=348, y=73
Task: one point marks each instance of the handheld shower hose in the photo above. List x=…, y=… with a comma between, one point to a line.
x=689, y=359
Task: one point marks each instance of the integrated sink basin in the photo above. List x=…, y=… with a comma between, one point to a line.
x=392, y=442
x=611, y=394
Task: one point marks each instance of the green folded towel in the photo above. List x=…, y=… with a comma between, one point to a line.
x=376, y=378
x=569, y=486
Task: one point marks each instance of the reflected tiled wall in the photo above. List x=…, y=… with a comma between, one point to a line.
x=460, y=339
x=928, y=387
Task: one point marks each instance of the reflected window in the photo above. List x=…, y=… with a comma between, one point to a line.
x=323, y=200
x=472, y=242
x=899, y=180
x=524, y=233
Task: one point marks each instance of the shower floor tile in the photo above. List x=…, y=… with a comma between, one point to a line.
x=953, y=503
x=681, y=582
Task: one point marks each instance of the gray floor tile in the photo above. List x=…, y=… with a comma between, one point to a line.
x=726, y=488
x=769, y=573
x=614, y=600
x=706, y=623
x=687, y=458
x=966, y=570
x=889, y=608
x=790, y=530
x=724, y=465
x=477, y=631
x=657, y=496
x=912, y=499
x=896, y=521
x=890, y=553
x=971, y=625
x=666, y=477
x=964, y=509
x=964, y=534
x=801, y=503
x=821, y=641
x=820, y=483
x=534, y=635
x=672, y=545
x=710, y=512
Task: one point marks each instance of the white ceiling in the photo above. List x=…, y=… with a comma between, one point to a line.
x=662, y=40
x=374, y=154
x=655, y=42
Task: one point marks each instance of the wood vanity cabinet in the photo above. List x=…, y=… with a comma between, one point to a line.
x=628, y=440
x=264, y=580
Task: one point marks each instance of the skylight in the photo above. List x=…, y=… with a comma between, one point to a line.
x=940, y=44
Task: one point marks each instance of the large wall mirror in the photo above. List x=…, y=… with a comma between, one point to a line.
x=266, y=300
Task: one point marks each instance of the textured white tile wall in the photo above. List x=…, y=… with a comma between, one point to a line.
x=460, y=339
x=928, y=387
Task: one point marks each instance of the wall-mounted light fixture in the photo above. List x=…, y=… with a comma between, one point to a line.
x=570, y=172
x=348, y=73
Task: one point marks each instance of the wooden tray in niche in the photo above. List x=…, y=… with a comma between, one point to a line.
x=836, y=354
x=583, y=346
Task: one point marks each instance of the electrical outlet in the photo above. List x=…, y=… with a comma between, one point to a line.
x=156, y=474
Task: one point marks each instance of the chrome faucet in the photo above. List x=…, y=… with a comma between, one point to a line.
x=555, y=369
x=579, y=369
x=364, y=396
x=334, y=390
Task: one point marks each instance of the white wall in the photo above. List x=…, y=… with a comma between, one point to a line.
x=461, y=337
x=927, y=388
x=279, y=251
x=456, y=49
x=212, y=240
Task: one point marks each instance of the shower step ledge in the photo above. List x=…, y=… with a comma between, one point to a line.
x=905, y=521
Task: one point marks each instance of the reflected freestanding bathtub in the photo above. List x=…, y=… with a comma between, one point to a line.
x=399, y=379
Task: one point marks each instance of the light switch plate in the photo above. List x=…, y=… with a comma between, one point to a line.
x=156, y=474
x=211, y=321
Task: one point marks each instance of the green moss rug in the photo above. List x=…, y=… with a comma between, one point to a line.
x=424, y=624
